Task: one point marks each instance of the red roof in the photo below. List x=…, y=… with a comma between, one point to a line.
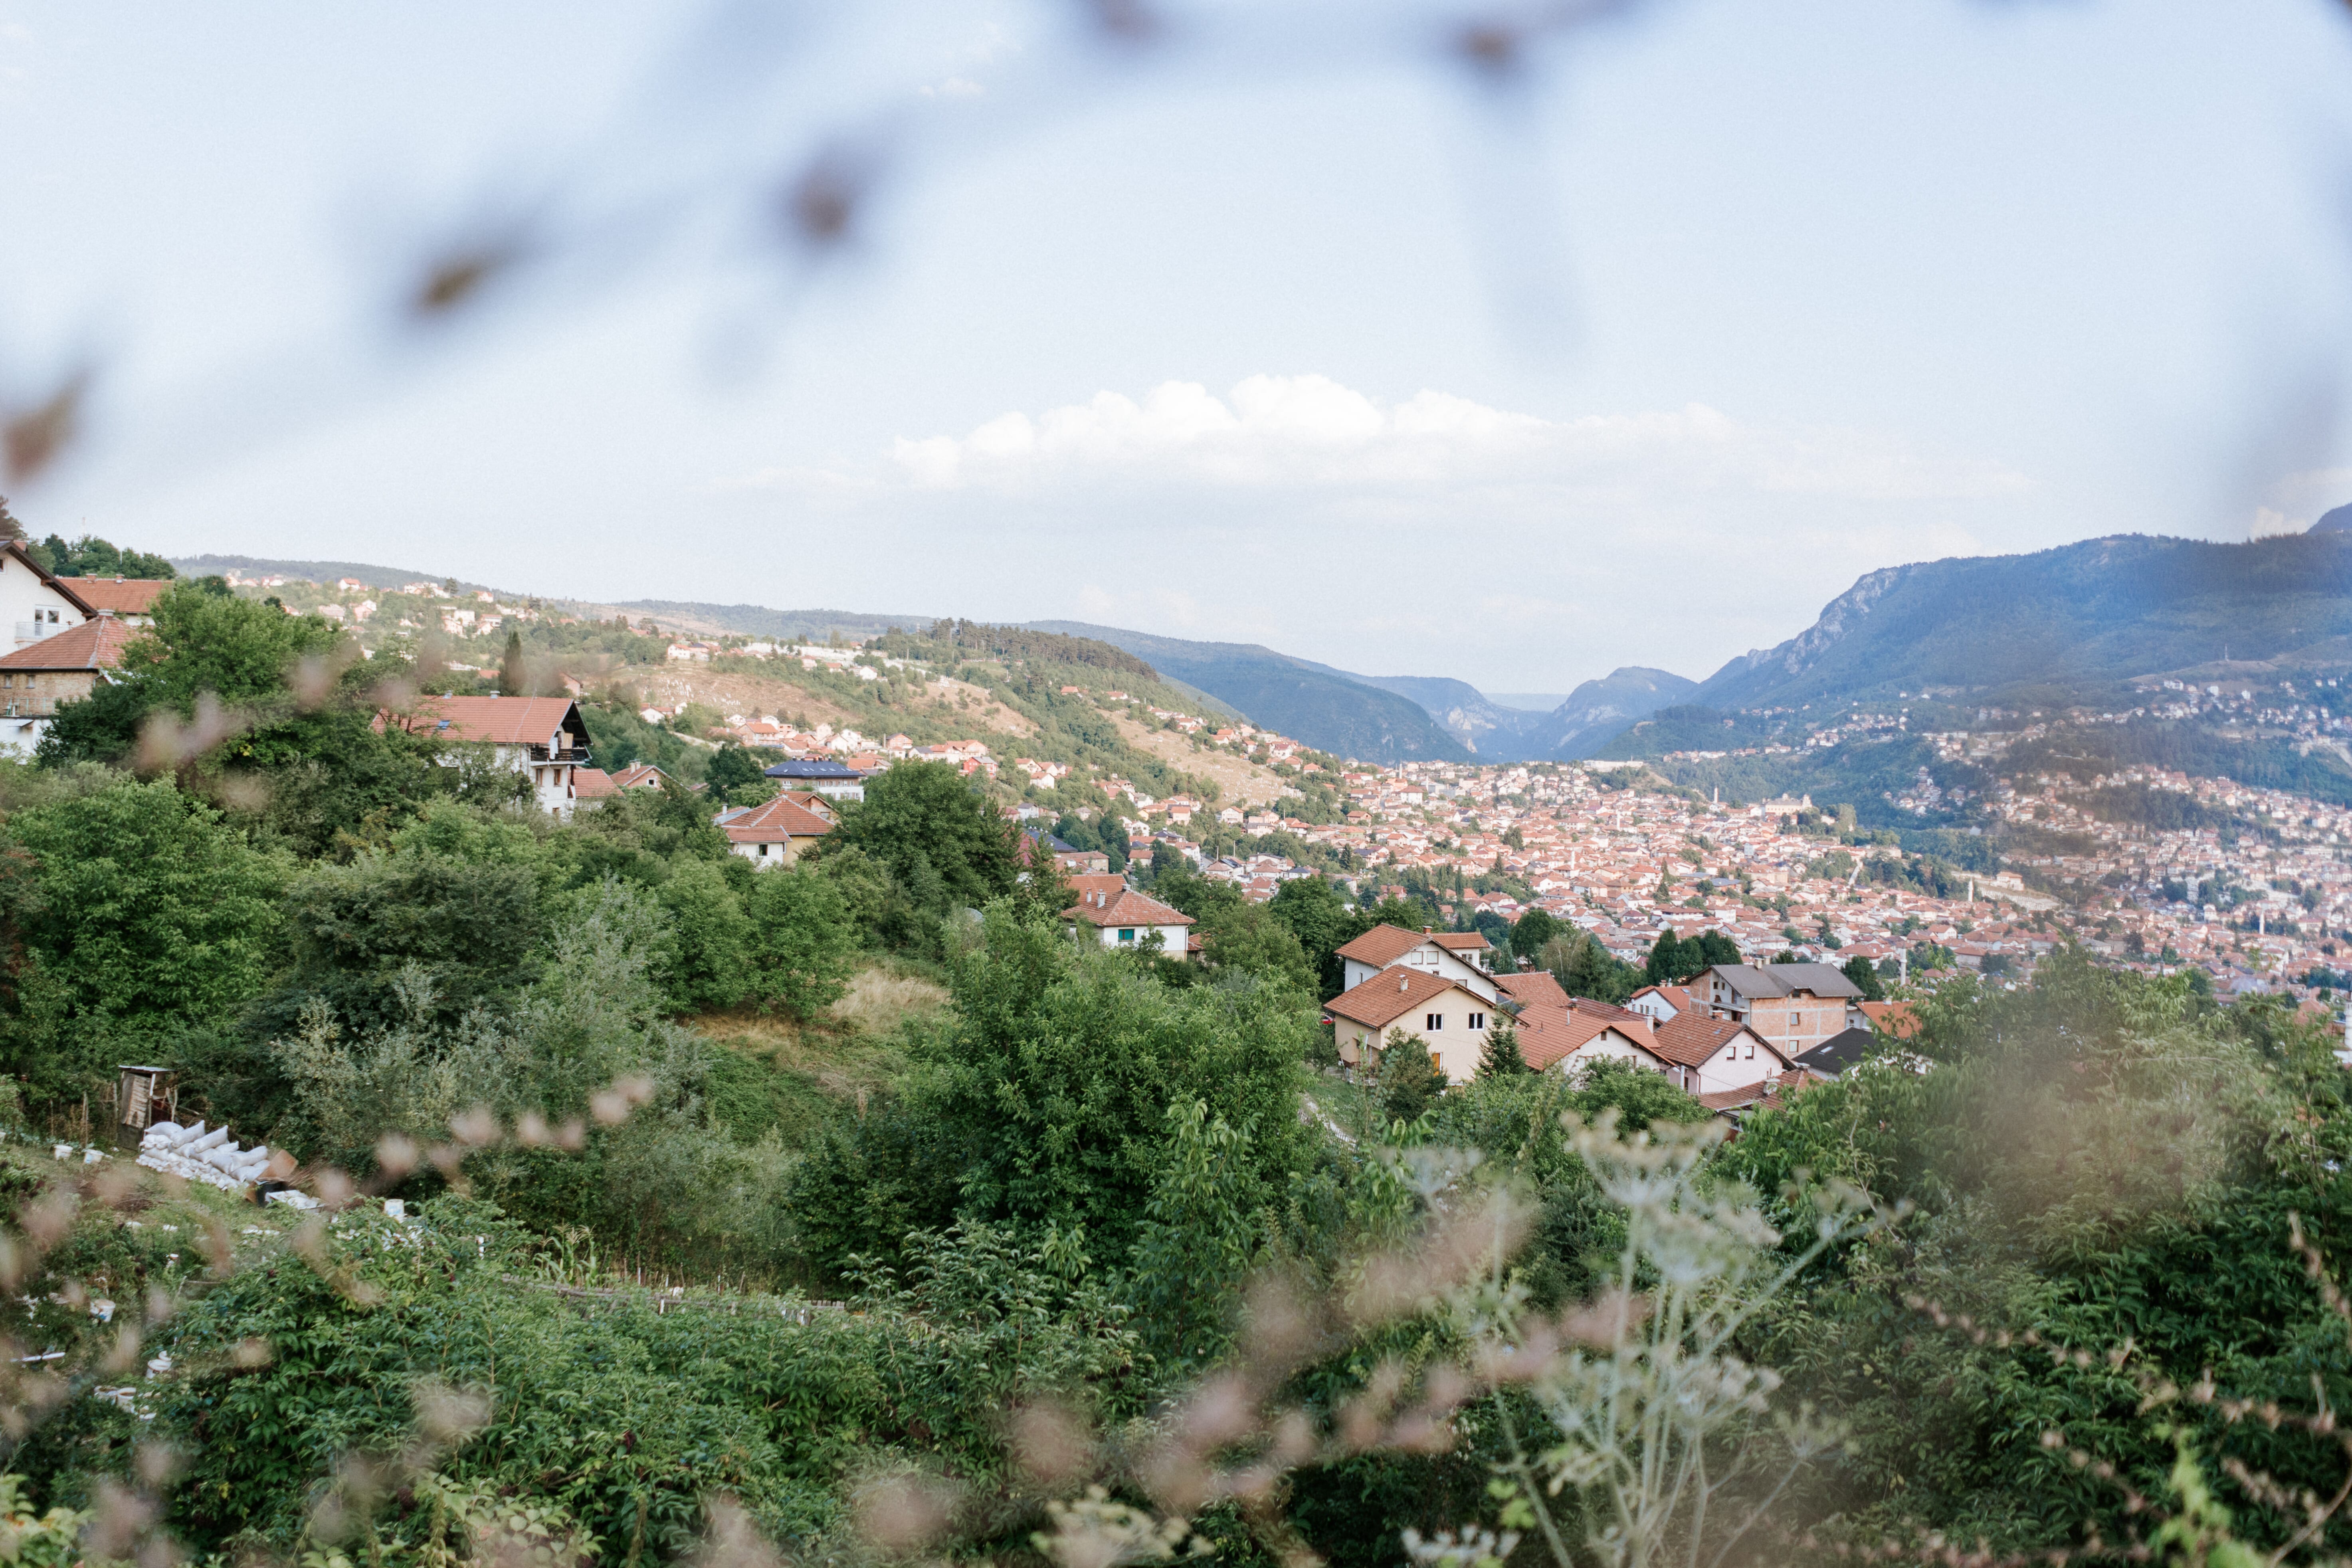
x=1688, y=1039
x=118, y=596
x=1125, y=906
x=1549, y=1035
x=638, y=775
x=1534, y=986
x=1459, y=940
x=1895, y=1018
x=1383, y=945
x=772, y=823
x=498, y=721
x=1390, y=995
x=593, y=783
x=93, y=645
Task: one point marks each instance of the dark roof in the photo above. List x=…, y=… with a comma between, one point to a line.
x=1839, y=1052
x=1784, y=979
x=814, y=768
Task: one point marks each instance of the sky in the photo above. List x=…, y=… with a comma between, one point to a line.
x=1260, y=323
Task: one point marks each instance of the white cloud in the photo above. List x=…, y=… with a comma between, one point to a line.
x=1308, y=431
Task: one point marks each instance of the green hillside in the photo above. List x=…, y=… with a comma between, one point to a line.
x=1308, y=702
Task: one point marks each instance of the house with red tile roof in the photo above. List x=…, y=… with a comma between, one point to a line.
x=542, y=738
x=1451, y=956
x=1567, y=1035
x=1663, y=1002
x=772, y=834
x=1121, y=917
x=34, y=601
x=130, y=599
x=59, y=669
x=1449, y=1019
x=1709, y=1055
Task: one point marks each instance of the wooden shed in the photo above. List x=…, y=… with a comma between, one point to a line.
x=142, y=1097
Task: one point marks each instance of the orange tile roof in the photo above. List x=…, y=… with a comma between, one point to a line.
x=1383, y=945
x=772, y=822
x=1390, y=995
x=1125, y=908
x=118, y=596
x=498, y=721
x=1459, y=940
x=1534, y=986
x=639, y=775
x=1689, y=1039
x=593, y=783
x=1086, y=884
x=93, y=645
x=1895, y=1018
x=1550, y=1034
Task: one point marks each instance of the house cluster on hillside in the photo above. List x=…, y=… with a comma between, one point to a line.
x=1734, y=1036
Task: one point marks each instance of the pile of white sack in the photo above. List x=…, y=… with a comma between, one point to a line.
x=202, y=1156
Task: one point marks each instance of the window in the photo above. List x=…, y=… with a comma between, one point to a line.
x=1432, y=1022
x=1751, y=1050
x=1126, y=933
x=1477, y=1020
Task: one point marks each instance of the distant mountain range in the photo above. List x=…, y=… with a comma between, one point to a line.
x=2073, y=624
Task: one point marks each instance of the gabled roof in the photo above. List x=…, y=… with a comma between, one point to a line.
x=1785, y=979
x=94, y=645
x=593, y=783
x=639, y=775
x=1085, y=885
x=497, y=720
x=1383, y=945
x=118, y=596
x=1459, y=940
x=1390, y=995
x=1689, y=1040
x=1839, y=1052
x=1549, y=1035
x=1678, y=997
x=62, y=585
x=1122, y=907
x=772, y=822
x=1533, y=987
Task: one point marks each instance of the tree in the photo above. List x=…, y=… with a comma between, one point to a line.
x=1864, y=976
x=738, y=776
x=150, y=908
x=942, y=841
x=11, y=530
x=708, y=966
x=1670, y=959
x=1321, y=921
x=513, y=679
x=1535, y=928
x=801, y=944
x=1409, y=1082
x=1501, y=1058
x=1585, y=968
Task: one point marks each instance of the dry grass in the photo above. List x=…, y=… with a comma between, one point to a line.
x=1244, y=782
x=852, y=1049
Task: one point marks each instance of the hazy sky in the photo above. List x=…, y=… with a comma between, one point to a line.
x=1277, y=328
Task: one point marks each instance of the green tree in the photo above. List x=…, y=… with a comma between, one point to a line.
x=801, y=944
x=514, y=680
x=1535, y=928
x=738, y=775
x=945, y=845
x=1320, y=920
x=1865, y=975
x=1585, y=968
x=708, y=968
x=147, y=908
x=1501, y=1057
x=1408, y=1082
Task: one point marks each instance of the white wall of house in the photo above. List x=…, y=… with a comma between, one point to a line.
x=551, y=782
x=1430, y=959
x=20, y=738
x=1453, y=1026
x=769, y=856
x=1743, y=1061
x=1172, y=938
x=30, y=608
x=1606, y=1045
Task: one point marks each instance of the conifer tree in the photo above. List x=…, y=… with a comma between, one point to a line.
x=512, y=679
x=1502, y=1058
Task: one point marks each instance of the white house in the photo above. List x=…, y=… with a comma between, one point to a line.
x=34, y=604
x=1446, y=1015
x=543, y=737
x=1710, y=1056
x=1121, y=917
x=774, y=832
x=1446, y=954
